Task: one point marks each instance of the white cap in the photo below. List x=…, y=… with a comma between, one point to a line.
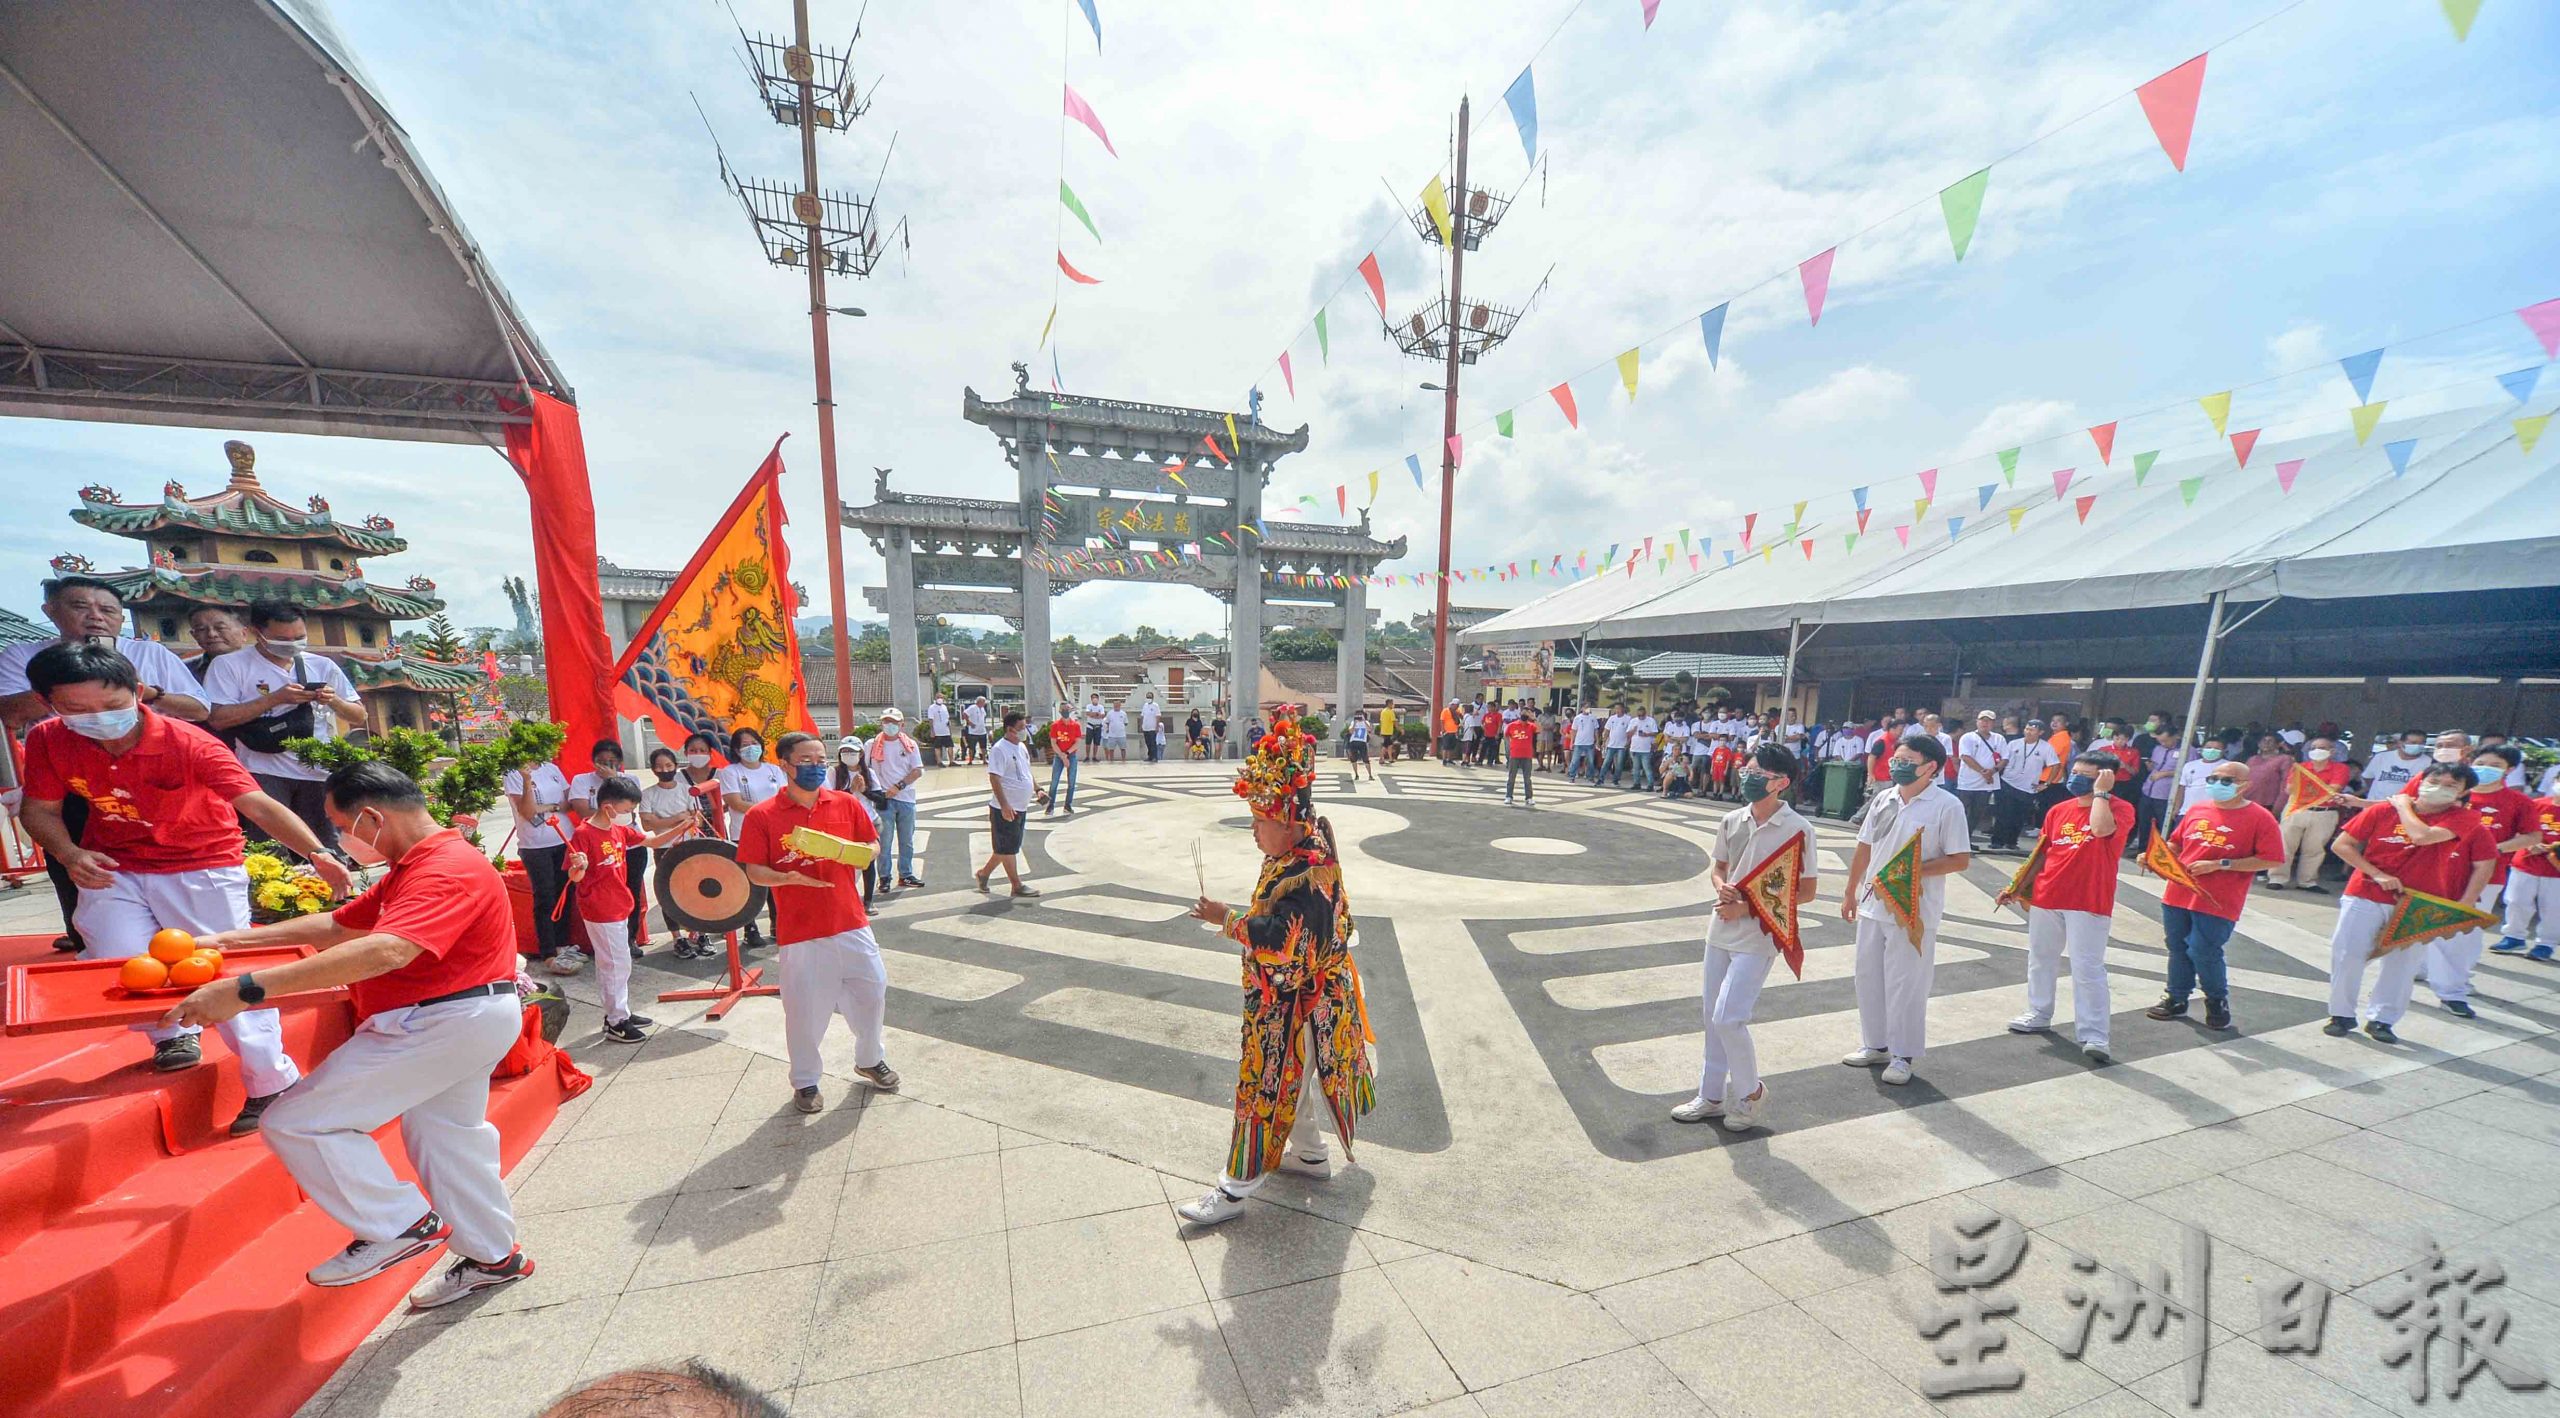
x=893, y=715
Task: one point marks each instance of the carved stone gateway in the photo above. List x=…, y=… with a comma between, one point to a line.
x=1101, y=484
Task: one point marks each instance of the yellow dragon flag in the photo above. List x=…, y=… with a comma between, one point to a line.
x=719, y=651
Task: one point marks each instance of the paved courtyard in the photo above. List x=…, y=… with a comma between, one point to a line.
x=1525, y=1232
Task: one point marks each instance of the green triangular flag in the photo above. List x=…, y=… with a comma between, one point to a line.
x=1791, y=531
x=1962, y=203
x=2187, y=488
x=1067, y=195
x=1324, y=346
x=1502, y=423
x=2142, y=466
x=2009, y=466
x=2460, y=14
x=1853, y=542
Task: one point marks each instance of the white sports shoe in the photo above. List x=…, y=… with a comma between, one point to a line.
x=363, y=1260
x=1320, y=1165
x=1896, y=1073
x=1866, y=1058
x=2030, y=1023
x=2096, y=1053
x=1747, y=1113
x=1698, y=1110
x=1211, y=1208
x=465, y=1278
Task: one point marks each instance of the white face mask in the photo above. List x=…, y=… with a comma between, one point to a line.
x=2318, y=755
x=2448, y=755
x=751, y=753
x=2437, y=795
x=287, y=647
x=697, y=760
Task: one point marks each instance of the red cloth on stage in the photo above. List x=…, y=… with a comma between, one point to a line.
x=551, y=456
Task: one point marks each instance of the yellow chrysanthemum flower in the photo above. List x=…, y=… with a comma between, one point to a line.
x=262, y=868
x=276, y=896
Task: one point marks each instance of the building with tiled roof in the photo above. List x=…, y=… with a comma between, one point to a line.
x=15, y=628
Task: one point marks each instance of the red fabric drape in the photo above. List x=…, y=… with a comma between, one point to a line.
x=551, y=456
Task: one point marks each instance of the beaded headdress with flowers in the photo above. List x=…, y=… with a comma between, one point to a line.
x=1278, y=777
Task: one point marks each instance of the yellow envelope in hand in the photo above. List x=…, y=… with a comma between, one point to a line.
x=827, y=847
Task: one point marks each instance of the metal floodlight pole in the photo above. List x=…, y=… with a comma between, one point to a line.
x=1449, y=421
x=812, y=210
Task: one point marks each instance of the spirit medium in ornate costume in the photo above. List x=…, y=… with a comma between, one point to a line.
x=1306, y=1030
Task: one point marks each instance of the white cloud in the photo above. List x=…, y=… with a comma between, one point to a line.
x=1860, y=392
x=2021, y=421
x=2304, y=343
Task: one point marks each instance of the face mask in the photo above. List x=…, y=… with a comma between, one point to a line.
x=608, y=766
x=2437, y=795
x=665, y=775
x=2448, y=755
x=2080, y=785
x=2412, y=750
x=2210, y=755
x=751, y=753
x=2485, y=774
x=1755, y=786
x=2221, y=790
x=697, y=760
x=2151, y=726
x=289, y=647
x=104, y=725
x=848, y=755
x=2318, y=755
x=810, y=776
x=360, y=847
x=1905, y=773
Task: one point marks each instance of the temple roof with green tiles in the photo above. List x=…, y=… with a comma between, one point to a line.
x=214, y=585
x=242, y=508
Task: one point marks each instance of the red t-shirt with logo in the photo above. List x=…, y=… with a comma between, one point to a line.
x=2239, y=830
x=2439, y=868
x=1522, y=736
x=1065, y=734
x=162, y=805
x=808, y=912
x=604, y=893
x=2505, y=812
x=443, y=897
x=2545, y=818
x=2079, y=872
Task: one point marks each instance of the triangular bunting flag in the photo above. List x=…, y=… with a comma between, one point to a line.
x=1982, y=496
x=1377, y=283
x=1920, y=510
x=1955, y=528
x=1324, y=342
x=1342, y=499
x=1435, y=200
x=1232, y=441
x=2359, y=370
x=1863, y=514
x=1373, y=485
x=1849, y=542
x=2242, y=442
x=2420, y=918
x=2009, y=466
x=2016, y=515
x=1413, y=464
x=2083, y=503
x=1897, y=885
x=2529, y=431
x=2061, y=482
x=2544, y=321
x=2170, y=103
x=2217, y=407
x=2399, y=452
x=1627, y=373
x=1800, y=507
x=1749, y=520
x=1457, y=449
x=1650, y=6
x=1079, y=277
x=2187, y=490
x=1563, y=394
x=1859, y=495
x=1053, y=319
x=2519, y=384
x=1067, y=195
x=2460, y=14
x=2104, y=435
x=1083, y=113
x=1929, y=482
x=1711, y=329
x=2287, y=471
x=1502, y=423
x=2142, y=466
x=1095, y=20
x=1815, y=271
x=1902, y=533
x=2364, y=417
x=1286, y=377
x=1962, y=203
x=1807, y=544
x=1522, y=99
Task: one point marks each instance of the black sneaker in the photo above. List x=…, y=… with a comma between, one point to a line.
x=68, y=945
x=2338, y=1027
x=879, y=1076
x=2169, y=1007
x=2460, y=1009
x=642, y=1020
x=2380, y=1032
x=2217, y=1014
x=250, y=1112
x=623, y=1031
x=176, y=1055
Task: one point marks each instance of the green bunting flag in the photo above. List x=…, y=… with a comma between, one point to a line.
x=2460, y=14
x=1324, y=344
x=2009, y=466
x=2142, y=466
x=1963, y=205
x=2187, y=488
x=1502, y=423
x=1067, y=195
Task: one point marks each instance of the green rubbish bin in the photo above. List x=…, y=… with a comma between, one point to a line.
x=1840, y=788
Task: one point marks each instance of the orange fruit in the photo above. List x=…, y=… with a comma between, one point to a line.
x=171, y=946
x=195, y=970
x=141, y=972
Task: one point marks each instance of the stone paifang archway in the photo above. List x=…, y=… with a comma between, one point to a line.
x=1096, y=473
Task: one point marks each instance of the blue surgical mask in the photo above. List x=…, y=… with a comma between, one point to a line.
x=2486, y=774
x=105, y=725
x=751, y=753
x=2221, y=790
x=810, y=776
x=2080, y=785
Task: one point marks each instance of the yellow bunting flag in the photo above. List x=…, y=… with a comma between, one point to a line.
x=1435, y=200
x=1920, y=510
x=2217, y=407
x=1800, y=507
x=1373, y=485
x=2016, y=515
x=1044, y=328
x=2365, y=416
x=2529, y=431
x=1627, y=373
x=1233, y=441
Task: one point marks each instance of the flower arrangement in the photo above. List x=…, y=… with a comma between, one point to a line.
x=281, y=888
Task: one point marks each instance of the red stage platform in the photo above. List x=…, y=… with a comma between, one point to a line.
x=152, y=1265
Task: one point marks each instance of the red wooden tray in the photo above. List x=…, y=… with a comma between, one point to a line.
x=84, y=994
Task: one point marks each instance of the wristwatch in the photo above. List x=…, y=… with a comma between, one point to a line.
x=251, y=992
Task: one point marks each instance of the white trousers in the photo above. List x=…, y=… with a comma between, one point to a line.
x=825, y=977
x=1306, y=1132
x=2306, y=842
x=427, y=1065
x=2082, y=937
x=1893, y=986
x=2533, y=908
x=2360, y=924
x=117, y=921
x=1730, y=991
x=2450, y=960
x=610, y=943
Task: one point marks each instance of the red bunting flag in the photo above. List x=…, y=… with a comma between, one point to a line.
x=1079, y=277
x=1816, y=274
x=1564, y=400
x=1286, y=377
x=1807, y=544
x=1211, y=440
x=2242, y=442
x=2170, y=103
x=1748, y=519
x=1342, y=498
x=2084, y=502
x=1863, y=514
x=1377, y=282
x=2104, y=435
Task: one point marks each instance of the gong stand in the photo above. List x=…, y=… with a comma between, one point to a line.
x=740, y=984
x=701, y=888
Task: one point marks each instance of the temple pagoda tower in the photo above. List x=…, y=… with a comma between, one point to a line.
x=242, y=544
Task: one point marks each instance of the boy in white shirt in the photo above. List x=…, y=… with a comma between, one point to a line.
x=1892, y=976
x=1739, y=952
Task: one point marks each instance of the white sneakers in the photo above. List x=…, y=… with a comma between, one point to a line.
x=2031, y=1023
x=2095, y=1053
x=1318, y=1166
x=1746, y=1113
x=1896, y=1073
x=1866, y=1058
x=1698, y=1110
x=1211, y=1208
x=362, y=1260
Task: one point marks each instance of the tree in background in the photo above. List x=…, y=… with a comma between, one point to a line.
x=524, y=696
x=438, y=641
x=1296, y=644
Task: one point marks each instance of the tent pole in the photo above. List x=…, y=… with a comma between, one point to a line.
x=1582, y=673
x=1787, y=681
x=2195, y=703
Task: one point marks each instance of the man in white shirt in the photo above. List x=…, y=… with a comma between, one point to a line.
x=937, y=719
x=896, y=767
x=1151, y=727
x=1115, y=734
x=1586, y=746
x=86, y=608
x=1640, y=749
x=1893, y=976
x=277, y=689
x=1739, y=952
x=2390, y=769
x=2024, y=762
x=1978, y=757
x=1613, y=737
x=1009, y=797
x=973, y=730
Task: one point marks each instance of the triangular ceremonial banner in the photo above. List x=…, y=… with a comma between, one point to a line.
x=2083, y=503
x=2529, y=431
x=1627, y=372
x=2142, y=466
x=2020, y=893
x=2062, y=481
x=1897, y=885
x=2170, y=103
x=1067, y=195
x=1079, y=277
x=2009, y=466
x=2016, y=515
x=1286, y=377
x=2164, y=863
x=2104, y=435
x=2365, y=417
x=2398, y=452
x=1815, y=271
x=1413, y=464
x=2359, y=370
x=1377, y=283
x=1522, y=99
x=1961, y=201
x=2306, y=789
x=1324, y=342
x=2460, y=14
x=2242, y=442
x=1711, y=329
x=1435, y=200
x=2287, y=471
x=1769, y=889
x=2420, y=918
x=2519, y=383
x=2217, y=407
x=1563, y=394
x=1929, y=482
x=1502, y=423
x=1083, y=113
x=2187, y=489
x=2544, y=321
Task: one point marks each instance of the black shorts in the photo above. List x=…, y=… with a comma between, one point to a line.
x=942, y=740
x=1359, y=751
x=1004, y=838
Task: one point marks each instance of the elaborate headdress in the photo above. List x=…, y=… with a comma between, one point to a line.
x=1278, y=778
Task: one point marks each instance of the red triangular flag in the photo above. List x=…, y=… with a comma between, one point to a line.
x=2170, y=103
x=1748, y=518
x=2286, y=472
x=1377, y=282
x=2104, y=435
x=1079, y=277
x=2082, y=502
x=1220, y=453
x=2242, y=442
x=1564, y=400
x=1863, y=514
x=1807, y=544
x=1342, y=498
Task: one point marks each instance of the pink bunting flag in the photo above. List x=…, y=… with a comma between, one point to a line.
x=2170, y=103
x=1929, y=483
x=1902, y=532
x=1457, y=449
x=2084, y=503
x=1650, y=6
x=1564, y=400
x=2104, y=435
x=2287, y=471
x=2544, y=321
x=1377, y=283
x=1083, y=113
x=1748, y=520
x=1079, y=277
x=2242, y=442
x=2061, y=482
x=1286, y=377
x=1816, y=273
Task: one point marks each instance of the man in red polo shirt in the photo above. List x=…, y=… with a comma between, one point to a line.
x=2441, y=849
x=830, y=964
x=2225, y=840
x=2073, y=901
x=428, y=957
x=2509, y=817
x=1520, y=749
x=162, y=844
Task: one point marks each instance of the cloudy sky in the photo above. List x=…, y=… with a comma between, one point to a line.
x=2357, y=178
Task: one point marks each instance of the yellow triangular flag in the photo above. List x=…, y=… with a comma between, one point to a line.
x=1920, y=510
x=1435, y=200
x=1373, y=484
x=1799, y=512
x=2016, y=515
x=2366, y=416
x=1232, y=441
x=2217, y=407
x=2529, y=431
x=1767, y=550
x=1044, y=328
x=1627, y=373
